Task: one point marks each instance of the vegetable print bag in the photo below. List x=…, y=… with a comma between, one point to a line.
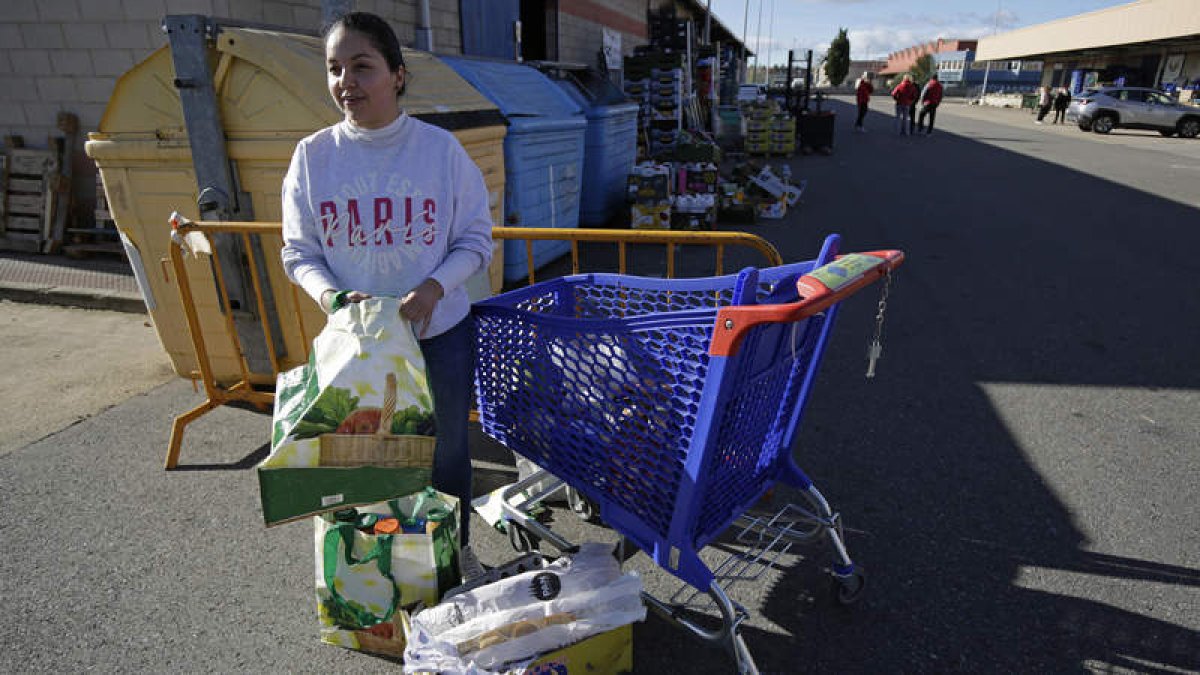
x=354, y=425
x=374, y=560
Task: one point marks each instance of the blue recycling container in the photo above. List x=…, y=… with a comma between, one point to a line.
x=610, y=144
x=543, y=153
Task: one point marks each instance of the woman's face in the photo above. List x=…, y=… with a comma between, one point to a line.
x=360, y=81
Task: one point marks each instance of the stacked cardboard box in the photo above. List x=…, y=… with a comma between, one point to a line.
x=649, y=196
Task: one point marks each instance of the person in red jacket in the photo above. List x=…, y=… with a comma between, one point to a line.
x=862, y=94
x=931, y=96
x=905, y=94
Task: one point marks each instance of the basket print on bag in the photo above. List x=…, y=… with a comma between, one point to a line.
x=375, y=560
x=355, y=424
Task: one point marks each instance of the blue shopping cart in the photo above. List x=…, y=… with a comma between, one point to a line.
x=671, y=404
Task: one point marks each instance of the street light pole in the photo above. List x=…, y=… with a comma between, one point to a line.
x=745, y=37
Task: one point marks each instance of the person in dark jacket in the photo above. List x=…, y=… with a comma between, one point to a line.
x=1062, y=99
x=862, y=94
x=1044, y=102
x=931, y=97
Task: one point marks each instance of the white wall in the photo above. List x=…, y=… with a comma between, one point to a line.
x=66, y=55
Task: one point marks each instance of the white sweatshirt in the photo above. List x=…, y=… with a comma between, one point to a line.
x=381, y=210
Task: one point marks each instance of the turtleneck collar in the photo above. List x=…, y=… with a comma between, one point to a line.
x=381, y=135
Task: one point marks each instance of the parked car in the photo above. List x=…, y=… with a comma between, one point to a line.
x=749, y=93
x=1102, y=110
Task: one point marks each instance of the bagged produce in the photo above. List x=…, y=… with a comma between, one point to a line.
x=354, y=425
x=374, y=560
x=507, y=624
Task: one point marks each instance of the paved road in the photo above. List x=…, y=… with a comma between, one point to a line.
x=59, y=366
x=1019, y=479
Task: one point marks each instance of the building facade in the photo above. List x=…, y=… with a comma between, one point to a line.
x=1152, y=43
x=959, y=70
x=900, y=62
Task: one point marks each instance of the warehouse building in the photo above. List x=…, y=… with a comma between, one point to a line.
x=1150, y=43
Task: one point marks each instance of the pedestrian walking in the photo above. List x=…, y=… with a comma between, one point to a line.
x=1044, y=100
x=385, y=204
x=1062, y=100
x=931, y=97
x=905, y=96
x=862, y=93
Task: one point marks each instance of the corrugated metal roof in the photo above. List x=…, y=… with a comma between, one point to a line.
x=1137, y=22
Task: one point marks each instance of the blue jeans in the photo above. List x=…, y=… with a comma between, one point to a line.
x=450, y=365
x=903, y=118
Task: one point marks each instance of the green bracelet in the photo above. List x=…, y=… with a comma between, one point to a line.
x=339, y=300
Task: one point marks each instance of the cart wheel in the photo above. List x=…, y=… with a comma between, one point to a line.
x=521, y=539
x=583, y=507
x=850, y=588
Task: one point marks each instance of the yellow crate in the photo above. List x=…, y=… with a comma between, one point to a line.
x=604, y=654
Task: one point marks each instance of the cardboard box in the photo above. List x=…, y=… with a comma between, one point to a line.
x=650, y=216
x=604, y=654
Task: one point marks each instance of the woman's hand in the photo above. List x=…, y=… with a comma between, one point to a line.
x=327, y=298
x=418, y=305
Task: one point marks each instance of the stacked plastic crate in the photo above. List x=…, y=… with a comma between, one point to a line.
x=758, y=122
x=782, y=134
x=695, y=205
x=666, y=98
x=649, y=196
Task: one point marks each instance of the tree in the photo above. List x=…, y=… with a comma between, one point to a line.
x=922, y=68
x=837, y=60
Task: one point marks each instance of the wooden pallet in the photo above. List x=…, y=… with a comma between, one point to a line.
x=103, y=239
x=35, y=190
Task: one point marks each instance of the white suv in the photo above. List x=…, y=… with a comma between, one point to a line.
x=750, y=93
x=1102, y=110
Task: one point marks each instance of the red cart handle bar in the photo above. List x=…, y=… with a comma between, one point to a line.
x=818, y=290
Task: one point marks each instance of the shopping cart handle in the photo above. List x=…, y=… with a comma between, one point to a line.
x=818, y=290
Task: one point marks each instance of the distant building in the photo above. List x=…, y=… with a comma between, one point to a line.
x=857, y=68
x=1150, y=43
x=900, y=62
x=961, y=69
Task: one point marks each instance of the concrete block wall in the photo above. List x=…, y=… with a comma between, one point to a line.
x=66, y=55
x=581, y=25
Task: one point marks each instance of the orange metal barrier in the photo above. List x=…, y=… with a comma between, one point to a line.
x=255, y=388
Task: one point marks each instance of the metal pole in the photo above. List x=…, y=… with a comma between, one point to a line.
x=745, y=27
x=758, y=37
x=770, y=42
x=424, y=27
x=220, y=196
x=986, y=69
x=708, y=23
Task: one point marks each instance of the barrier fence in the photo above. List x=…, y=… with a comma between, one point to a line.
x=255, y=387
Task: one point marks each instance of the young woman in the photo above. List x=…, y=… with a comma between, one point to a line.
x=384, y=204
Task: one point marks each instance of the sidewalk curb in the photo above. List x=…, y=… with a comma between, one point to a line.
x=69, y=296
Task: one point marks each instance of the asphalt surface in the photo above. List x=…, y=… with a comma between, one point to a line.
x=1018, y=479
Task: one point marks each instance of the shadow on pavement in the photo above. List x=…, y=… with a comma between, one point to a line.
x=1018, y=271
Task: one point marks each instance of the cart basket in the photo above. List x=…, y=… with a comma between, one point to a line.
x=671, y=403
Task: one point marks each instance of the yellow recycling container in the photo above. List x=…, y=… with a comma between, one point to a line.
x=270, y=90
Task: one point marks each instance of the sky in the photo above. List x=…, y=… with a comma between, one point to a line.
x=877, y=27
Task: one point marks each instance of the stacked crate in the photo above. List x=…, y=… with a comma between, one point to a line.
x=782, y=135
x=695, y=205
x=28, y=197
x=649, y=196
x=654, y=79
x=758, y=125
x=102, y=238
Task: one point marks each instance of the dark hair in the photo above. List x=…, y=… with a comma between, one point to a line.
x=378, y=33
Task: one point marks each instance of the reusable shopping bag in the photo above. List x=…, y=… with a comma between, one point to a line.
x=365, y=579
x=504, y=625
x=354, y=425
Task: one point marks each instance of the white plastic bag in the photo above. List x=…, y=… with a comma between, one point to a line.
x=516, y=619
